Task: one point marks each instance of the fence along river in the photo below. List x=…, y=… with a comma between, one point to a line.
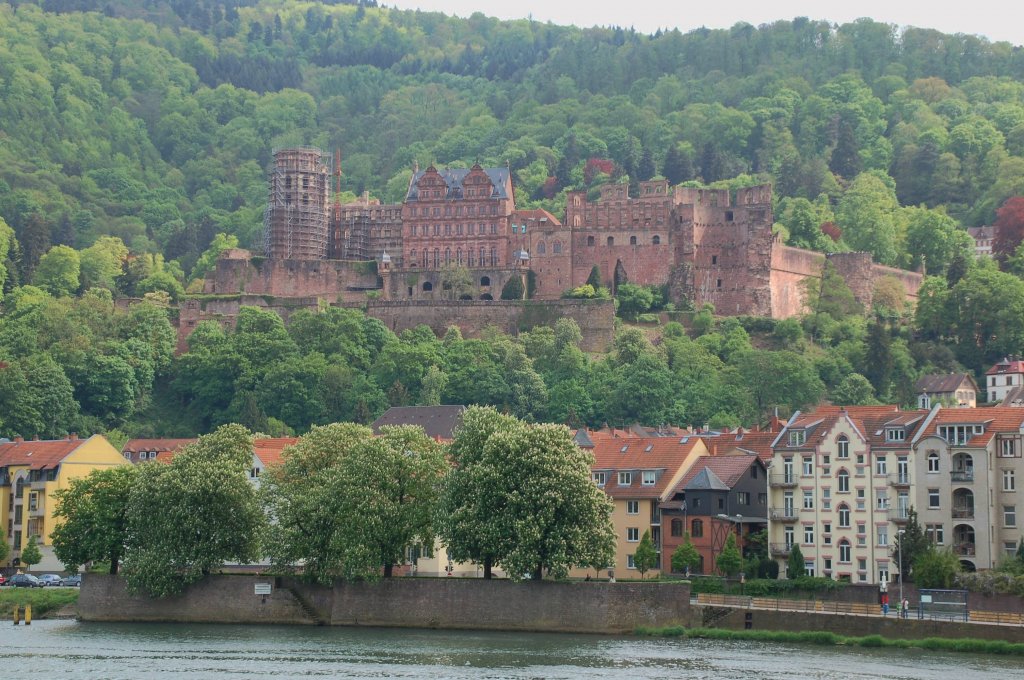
x=70, y=649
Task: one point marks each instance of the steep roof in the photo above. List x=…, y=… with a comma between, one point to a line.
x=1015, y=397
x=439, y=422
x=454, y=178
x=727, y=470
x=758, y=443
x=818, y=423
x=158, y=445
x=943, y=383
x=269, y=450
x=706, y=480
x=982, y=233
x=38, y=454
x=537, y=215
x=663, y=455
x=1006, y=366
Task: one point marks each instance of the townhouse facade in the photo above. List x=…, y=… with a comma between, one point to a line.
x=31, y=472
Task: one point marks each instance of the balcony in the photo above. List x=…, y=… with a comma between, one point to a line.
x=783, y=514
x=963, y=549
x=780, y=549
x=899, y=515
x=962, y=476
x=899, y=479
x=963, y=513
x=783, y=480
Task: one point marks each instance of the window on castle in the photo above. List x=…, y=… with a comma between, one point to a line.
x=557, y=247
x=447, y=255
x=718, y=283
x=590, y=240
x=412, y=257
x=427, y=287
x=494, y=228
x=632, y=240
x=714, y=259
x=458, y=229
x=656, y=240
x=447, y=230
x=458, y=256
x=542, y=248
x=437, y=257
x=728, y=216
x=611, y=240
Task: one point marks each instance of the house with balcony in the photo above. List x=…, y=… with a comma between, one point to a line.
x=840, y=487
x=719, y=495
x=31, y=472
x=640, y=474
x=967, y=462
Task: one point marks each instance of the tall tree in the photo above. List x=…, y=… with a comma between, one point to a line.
x=1009, y=227
x=645, y=558
x=30, y=555
x=729, y=561
x=685, y=557
x=92, y=516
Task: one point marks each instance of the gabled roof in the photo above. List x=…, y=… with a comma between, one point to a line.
x=1015, y=397
x=758, y=443
x=818, y=423
x=706, y=480
x=727, y=470
x=1007, y=366
x=944, y=383
x=982, y=233
x=537, y=215
x=439, y=422
x=662, y=454
x=158, y=445
x=269, y=450
x=454, y=178
x=995, y=419
x=38, y=454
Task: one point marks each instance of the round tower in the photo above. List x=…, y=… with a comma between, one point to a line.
x=295, y=224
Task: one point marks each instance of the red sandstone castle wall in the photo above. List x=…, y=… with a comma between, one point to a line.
x=790, y=268
x=290, y=278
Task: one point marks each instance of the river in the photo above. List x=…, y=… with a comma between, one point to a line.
x=69, y=649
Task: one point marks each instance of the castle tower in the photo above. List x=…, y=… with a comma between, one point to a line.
x=295, y=223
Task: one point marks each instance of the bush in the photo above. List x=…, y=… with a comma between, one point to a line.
x=649, y=318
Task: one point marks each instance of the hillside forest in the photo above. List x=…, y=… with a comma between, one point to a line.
x=135, y=138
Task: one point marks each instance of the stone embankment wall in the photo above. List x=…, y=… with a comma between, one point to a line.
x=595, y=607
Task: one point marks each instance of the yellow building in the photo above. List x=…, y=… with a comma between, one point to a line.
x=639, y=473
x=30, y=473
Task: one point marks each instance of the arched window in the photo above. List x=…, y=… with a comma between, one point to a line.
x=575, y=220
x=437, y=257
x=844, y=481
x=412, y=257
x=557, y=247
x=677, y=527
x=632, y=240
x=844, y=551
x=844, y=516
x=427, y=287
x=494, y=256
x=19, y=487
x=656, y=240
x=843, y=446
x=447, y=255
x=611, y=240
x=933, y=461
x=458, y=256
x=542, y=248
x=697, y=528
x=482, y=260
x=590, y=240
x=485, y=280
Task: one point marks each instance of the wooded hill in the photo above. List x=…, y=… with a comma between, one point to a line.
x=153, y=121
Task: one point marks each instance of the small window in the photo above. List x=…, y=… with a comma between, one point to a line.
x=542, y=248
x=844, y=516
x=718, y=283
x=648, y=478
x=625, y=478
x=599, y=478
x=697, y=528
x=590, y=240
x=632, y=534
x=796, y=437
x=656, y=240
x=933, y=461
x=632, y=507
x=714, y=259
x=677, y=528
x=427, y=287
x=632, y=240
x=843, y=447
x=556, y=247
x=611, y=240
x=844, y=481
x=1009, y=515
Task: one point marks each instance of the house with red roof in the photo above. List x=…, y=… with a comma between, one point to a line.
x=1003, y=377
x=31, y=472
x=640, y=474
x=719, y=495
x=143, y=450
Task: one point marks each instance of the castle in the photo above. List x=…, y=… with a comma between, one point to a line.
x=702, y=244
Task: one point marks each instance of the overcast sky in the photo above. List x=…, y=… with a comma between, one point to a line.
x=994, y=19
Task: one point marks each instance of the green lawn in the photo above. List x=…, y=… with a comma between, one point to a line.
x=44, y=601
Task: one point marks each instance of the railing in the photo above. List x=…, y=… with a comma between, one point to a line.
x=784, y=514
x=899, y=479
x=780, y=548
x=1005, y=618
x=963, y=513
x=962, y=476
x=964, y=549
x=898, y=514
x=783, y=480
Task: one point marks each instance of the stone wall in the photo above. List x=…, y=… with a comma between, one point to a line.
x=790, y=268
x=475, y=604
x=331, y=279
x=596, y=318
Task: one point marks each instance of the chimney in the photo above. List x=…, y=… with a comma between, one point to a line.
x=19, y=440
x=35, y=438
x=73, y=436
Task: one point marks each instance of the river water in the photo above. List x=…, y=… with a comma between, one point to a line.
x=69, y=649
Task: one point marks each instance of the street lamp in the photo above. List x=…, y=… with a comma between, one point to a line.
x=899, y=557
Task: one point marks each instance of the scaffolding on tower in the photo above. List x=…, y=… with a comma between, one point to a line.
x=295, y=222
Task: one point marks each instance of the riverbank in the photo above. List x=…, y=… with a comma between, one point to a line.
x=965, y=645
x=46, y=602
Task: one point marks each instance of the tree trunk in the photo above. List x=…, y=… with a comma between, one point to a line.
x=487, y=567
x=114, y=563
x=538, y=573
x=388, y=568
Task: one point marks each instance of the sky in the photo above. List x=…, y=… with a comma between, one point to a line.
x=994, y=19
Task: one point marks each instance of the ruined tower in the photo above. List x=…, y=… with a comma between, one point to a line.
x=296, y=219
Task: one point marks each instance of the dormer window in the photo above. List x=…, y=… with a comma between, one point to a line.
x=797, y=437
x=625, y=478
x=895, y=434
x=960, y=434
x=600, y=478
x=648, y=477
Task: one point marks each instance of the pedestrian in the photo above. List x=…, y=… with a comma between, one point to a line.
x=906, y=608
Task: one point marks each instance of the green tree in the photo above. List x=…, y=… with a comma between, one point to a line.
x=633, y=300
x=854, y=390
x=646, y=557
x=208, y=260
x=5, y=549
x=31, y=555
x=685, y=557
x=936, y=568
x=909, y=545
x=795, y=568
x=6, y=243
x=513, y=288
x=189, y=517
x=58, y=271
x=594, y=279
x=92, y=518
x=784, y=379
x=456, y=282
x=870, y=218
x=729, y=561
x=102, y=263
x=434, y=382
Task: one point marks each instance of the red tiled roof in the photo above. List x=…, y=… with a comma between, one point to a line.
x=759, y=443
x=158, y=445
x=38, y=454
x=665, y=454
x=536, y=214
x=996, y=419
x=269, y=450
x=1006, y=366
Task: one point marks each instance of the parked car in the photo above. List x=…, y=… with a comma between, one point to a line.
x=51, y=580
x=75, y=580
x=25, y=581
x=3, y=579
